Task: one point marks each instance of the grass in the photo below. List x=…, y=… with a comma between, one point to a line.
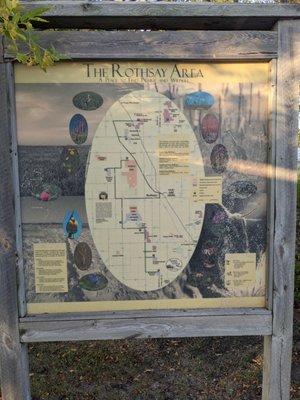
x=223, y=368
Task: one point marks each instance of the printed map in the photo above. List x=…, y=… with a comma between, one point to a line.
x=143, y=208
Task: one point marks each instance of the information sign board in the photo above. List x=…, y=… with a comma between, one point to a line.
x=143, y=184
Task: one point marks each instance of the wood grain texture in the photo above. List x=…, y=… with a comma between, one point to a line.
x=163, y=15
x=278, y=347
x=142, y=325
x=1, y=48
x=16, y=187
x=187, y=45
x=14, y=383
x=271, y=181
x=218, y=312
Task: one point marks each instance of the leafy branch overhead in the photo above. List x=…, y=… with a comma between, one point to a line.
x=17, y=26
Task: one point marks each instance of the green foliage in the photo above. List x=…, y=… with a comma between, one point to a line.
x=17, y=26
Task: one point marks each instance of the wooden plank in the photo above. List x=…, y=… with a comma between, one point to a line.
x=14, y=383
x=1, y=48
x=16, y=185
x=168, y=45
x=223, y=312
x=163, y=15
x=145, y=327
x=108, y=8
x=278, y=347
x=271, y=181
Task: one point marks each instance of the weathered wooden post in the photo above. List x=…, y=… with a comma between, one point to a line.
x=278, y=346
x=148, y=184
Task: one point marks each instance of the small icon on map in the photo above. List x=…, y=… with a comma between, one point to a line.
x=72, y=224
x=174, y=263
x=103, y=196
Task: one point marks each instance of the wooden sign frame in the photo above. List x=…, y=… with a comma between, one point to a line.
x=280, y=46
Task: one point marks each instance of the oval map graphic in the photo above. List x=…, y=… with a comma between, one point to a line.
x=142, y=208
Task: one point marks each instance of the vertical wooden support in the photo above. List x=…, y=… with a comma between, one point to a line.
x=14, y=375
x=278, y=347
x=271, y=181
x=16, y=187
